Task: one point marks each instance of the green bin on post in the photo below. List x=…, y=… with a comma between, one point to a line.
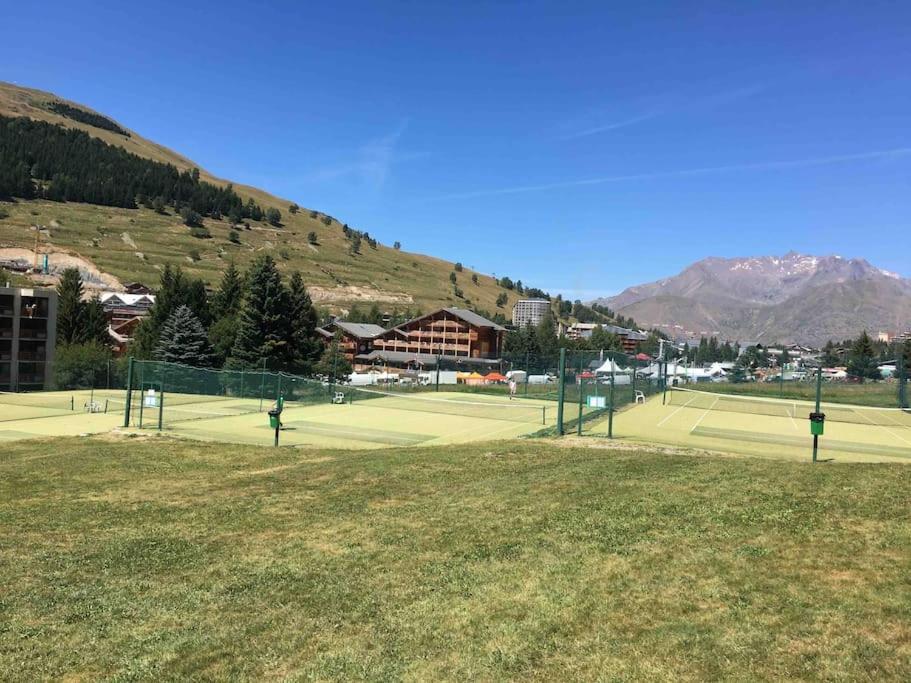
x=817, y=423
x=273, y=419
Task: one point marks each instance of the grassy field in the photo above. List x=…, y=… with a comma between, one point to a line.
x=877, y=394
x=170, y=560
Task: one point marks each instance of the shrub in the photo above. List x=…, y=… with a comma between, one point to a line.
x=474, y=278
x=396, y=245
x=458, y=267
x=452, y=277
x=3, y=213
x=274, y=216
x=284, y=253
x=293, y=209
x=311, y=238
x=234, y=236
x=327, y=220
x=501, y=300
x=200, y=232
x=194, y=254
x=190, y=217
x=313, y=214
x=459, y=293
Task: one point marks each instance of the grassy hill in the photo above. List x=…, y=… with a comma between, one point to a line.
x=134, y=244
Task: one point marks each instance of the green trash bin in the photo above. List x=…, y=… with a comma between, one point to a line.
x=817, y=423
x=274, y=418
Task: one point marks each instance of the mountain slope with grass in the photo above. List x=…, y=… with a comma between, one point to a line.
x=135, y=243
x=790, y=298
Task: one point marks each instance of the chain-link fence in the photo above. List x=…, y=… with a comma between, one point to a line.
x=159, y=393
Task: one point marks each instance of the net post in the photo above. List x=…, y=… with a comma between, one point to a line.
x=663, y=384
x=561, y=377
x=142, y=401
x=161, y=407
x=241, y=383
x=72, y=403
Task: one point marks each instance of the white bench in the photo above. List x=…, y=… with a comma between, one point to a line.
x=640, y=397
x=339, y=397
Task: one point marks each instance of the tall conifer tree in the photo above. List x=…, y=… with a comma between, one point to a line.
x=263, y=329
x=70, y=309
x=304, y=348
x=183, y=340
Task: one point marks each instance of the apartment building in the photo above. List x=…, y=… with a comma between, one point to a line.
x=28, y=330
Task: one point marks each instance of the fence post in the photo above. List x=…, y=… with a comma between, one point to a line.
x=579, y=424
x=262, y=385
x=818, y=399
x=561, y=377
x=902, y=380
x=126, y=410
x=610, y=409
x=526, y=374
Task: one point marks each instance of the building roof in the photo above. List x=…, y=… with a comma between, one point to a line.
x=114, y=298
x=424, y=358
x=473, y=318
x=464, y=314
x=359, y=330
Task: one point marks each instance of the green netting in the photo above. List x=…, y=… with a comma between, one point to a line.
x=163, y=393
x=597, y=384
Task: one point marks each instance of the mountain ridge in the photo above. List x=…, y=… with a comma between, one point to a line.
x=790, y=298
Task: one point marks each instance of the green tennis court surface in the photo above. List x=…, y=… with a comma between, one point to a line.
x=365, y=420
x=369, y=420
x=766, y=427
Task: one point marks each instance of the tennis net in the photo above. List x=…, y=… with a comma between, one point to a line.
x=756, y=405
x=24, y=406
x=517, y=411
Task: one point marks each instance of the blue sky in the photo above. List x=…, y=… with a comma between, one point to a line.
x=580, y=147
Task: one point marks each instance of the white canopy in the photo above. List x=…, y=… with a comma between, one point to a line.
x=608, y=367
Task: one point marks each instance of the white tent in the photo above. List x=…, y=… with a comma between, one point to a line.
x=610, y=366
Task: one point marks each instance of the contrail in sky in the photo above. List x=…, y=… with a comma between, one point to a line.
x=758, y=166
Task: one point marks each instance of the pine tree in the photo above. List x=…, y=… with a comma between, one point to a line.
x=263, y=324
x=95, y=323
x=227, y=300
x=862, y=361
x=304, y=347
x=70, y=309
x=183, y=340
x=332, y=364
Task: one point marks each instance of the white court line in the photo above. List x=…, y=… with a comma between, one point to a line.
x=676, y=411
x=699, y=421
x=883, y=427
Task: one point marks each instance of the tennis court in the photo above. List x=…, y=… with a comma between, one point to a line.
x=767, y=427
x=367, y=420
x=59, y=413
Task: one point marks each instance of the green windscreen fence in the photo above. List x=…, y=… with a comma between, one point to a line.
x=596, y=385
x=159, y=394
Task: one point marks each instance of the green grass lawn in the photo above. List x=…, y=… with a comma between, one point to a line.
x=158, y=559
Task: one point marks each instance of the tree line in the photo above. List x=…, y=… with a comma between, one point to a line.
x=39, y=160
x=253, y=320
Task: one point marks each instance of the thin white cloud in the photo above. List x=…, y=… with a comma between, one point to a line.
x=612, y=126
x=673, y=104
x=757, y=166
x=373, y=161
